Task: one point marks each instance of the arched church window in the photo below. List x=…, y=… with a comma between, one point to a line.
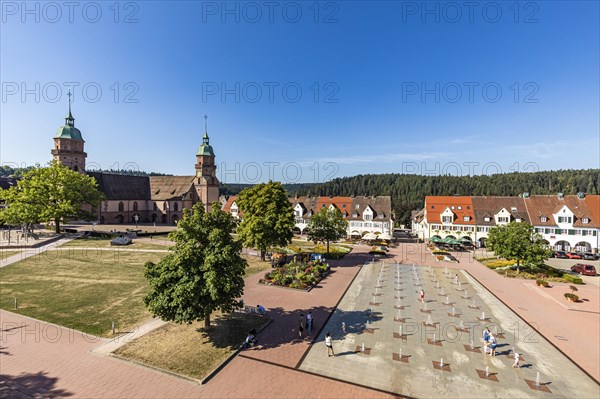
x=121, y=207
x=135, y=206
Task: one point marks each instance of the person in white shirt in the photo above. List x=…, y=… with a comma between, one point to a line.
x=329, y=345
x=517, y=359
x=309, y=323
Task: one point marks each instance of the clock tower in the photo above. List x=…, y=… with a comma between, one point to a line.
x=206, y=182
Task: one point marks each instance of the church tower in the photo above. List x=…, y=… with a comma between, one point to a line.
x=206, y=182
x=68, y=144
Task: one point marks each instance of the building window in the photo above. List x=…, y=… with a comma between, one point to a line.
x=585, y=220
x=176, y=206
x=486, y=219
x=165, y=206
x=446, y=219
x=460, y=207
x=343, y=205
x=559, y=231
x=480, y=229
x=548, y=231
x=135, y=206
x=564, y=219
x=368, y=217
x=518, y=220
x=544, y=219
x=502, y=219
x=466, y=218
x=121, y=207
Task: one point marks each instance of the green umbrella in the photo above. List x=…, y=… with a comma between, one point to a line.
x=435, y=239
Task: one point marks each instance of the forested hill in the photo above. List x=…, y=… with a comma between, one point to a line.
x=408, y=191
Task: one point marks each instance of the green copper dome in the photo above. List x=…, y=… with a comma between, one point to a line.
x=68, y=132
x=206, y=149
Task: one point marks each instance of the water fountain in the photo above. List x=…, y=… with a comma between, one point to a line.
x=400, y=330
x=487, y=371
x=456, y=279
x=447, y=300
x=482, y=315
x=453, y=312
x=434, y=340
x=367, y=324
x=429, y=320
x=472, y=345
x=442, y=362
x=462, y=325
x=537, y=379
x=362, y=348
x=459, y=285
x=400, y=352
x=466, y=295
x=398, y=315
x=446, y=270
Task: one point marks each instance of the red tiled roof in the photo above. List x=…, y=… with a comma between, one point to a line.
x=435, y=205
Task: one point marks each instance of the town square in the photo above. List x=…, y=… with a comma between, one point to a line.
x=328, y=199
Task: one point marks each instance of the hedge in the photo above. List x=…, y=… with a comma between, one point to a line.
x=572, y=279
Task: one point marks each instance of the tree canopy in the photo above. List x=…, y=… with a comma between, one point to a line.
x=203, y=273
x=50, y=193
x=326, y=226
x=268, y=218
x=518, y=242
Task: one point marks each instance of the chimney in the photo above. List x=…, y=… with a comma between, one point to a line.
x=525, y=195
x=581, y=195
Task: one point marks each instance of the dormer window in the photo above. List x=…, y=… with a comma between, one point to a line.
x=460, y=207
x=585, y=220
x=446, y=219
x=452, y=207
x=543, y=219
x=357, y=206
x=565, y=219
x=486, y=219
x=466, y=218
x=518, y=220
x=368, y=217
x=502, y=219
x=513, y=209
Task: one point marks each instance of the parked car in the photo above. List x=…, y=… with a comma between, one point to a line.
x=573, y=255
x=590, y=256
x=586, y=270
x=559, y=254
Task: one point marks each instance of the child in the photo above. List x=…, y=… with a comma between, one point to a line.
x=422, y=294
x=486, y=339
x=329, y=345
x=493, y=344
x=517, y=359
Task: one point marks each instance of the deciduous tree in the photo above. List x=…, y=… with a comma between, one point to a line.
x=268, y=217
x=51, y=193
x=326, y=226
x=203, y=273
x=518, y=242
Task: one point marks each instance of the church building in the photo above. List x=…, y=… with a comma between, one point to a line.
x=143, y=199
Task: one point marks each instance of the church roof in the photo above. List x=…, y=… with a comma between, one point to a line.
x=68, y=132
x=169, y=187
x=122, y=187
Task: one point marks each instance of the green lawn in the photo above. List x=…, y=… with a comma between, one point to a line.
x=97, y=242
x=82, y=289
x=189, y=349
x=4, y=254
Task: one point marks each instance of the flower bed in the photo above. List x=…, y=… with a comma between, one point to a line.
x=302, y=276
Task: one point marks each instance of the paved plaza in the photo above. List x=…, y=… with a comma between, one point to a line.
x=395, y=343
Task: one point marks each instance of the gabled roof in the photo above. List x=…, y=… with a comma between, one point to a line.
x=548, y=205
x=381, y=205
x=435, y=205
x=122, y=187
x=490, y=206
x=169, y=187
x=227, y=206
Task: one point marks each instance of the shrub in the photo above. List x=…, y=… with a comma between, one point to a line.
x=571, y=297
x=572, y=279
x=541, y=282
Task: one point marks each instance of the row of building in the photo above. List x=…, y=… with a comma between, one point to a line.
x=566, y=222
x=364, y=214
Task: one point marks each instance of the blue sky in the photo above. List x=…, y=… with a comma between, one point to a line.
x=306, y=91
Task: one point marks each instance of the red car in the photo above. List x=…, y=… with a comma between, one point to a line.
x=573, y=255
x=587, y=270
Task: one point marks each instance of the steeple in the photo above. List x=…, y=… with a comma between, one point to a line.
x=69, y=120
x=205, y=139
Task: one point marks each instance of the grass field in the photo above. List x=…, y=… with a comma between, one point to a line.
x=255, y=265
x=189, y=349
x=82, y=289
x=94, y=242
x=7, y=253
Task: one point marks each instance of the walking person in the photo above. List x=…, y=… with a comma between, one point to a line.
x=329, y=345
x=486, y=339
x=493, y=344
x=422, y=295
x=301, y=327
x=517, y=359
x=344, y=327
x=309, y=323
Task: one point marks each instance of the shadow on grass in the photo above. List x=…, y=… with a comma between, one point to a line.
x=230, y=330
x=32, y=385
